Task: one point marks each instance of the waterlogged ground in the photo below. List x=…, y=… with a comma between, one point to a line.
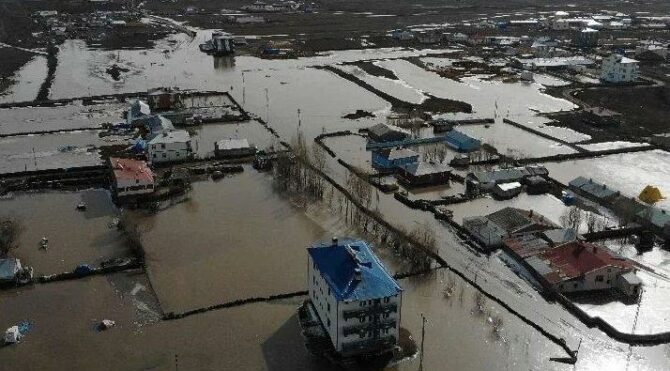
x=28, y=81
x=628, y=173
x=75, y=237
x=68, y=117
x=230, y=240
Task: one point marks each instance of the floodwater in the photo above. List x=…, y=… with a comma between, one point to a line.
x=75, y=237
x=395, y=88
x=634, y=171
x=204, y=136
x=508, y=139
x=28, y=81
x=517, y=101
x=52, y=151
x=68, y=117
x=233, y=239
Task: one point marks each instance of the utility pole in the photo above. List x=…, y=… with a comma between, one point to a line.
x=244, y=91
x=267, y=106
x=423, y=335
x=299, y=122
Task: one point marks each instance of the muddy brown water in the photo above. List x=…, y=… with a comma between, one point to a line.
x=75, y=237
x=233, y=239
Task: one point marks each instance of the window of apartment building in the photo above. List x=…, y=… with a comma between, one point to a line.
x=163, y=146
x=329, y=291
x=575, y=286
x=600, y=278
x=328, y=320
x=329, y=311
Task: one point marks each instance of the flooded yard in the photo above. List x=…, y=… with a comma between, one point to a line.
x=67, y=117
x=75, y=237
x=628, y=173
x=228, y=241
x=204, y=136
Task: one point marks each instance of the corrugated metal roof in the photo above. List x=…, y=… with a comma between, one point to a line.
x=425, y=168
x=125, y=168
x=337, y=263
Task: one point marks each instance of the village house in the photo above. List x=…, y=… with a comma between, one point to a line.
x=462, y=142
x=580, y=266
x=492, y=229
x=593, y=190
x=484, y=181
x=170, y=146
x=617, y=68
x=382, y=133
x=423, y=174
x=131, y=177
x=506, y=191
x=391, y=158
x=357, y=301
x=154, y=125
x=231, y=148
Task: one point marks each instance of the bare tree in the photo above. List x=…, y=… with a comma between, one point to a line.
x=572, y=218
x=10, y=229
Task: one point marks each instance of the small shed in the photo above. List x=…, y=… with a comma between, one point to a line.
x=421, y=174
x=382, y=133
x=506, y=191
x=231, y=148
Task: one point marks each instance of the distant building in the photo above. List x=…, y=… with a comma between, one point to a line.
x=170, y=146
x=536, y=185
x=462, y=142
x=357, y=301
x=230, y=148
x=492, y=229
x=655, y=217
x=381, y=133
x=154, y=125
x=138, y=109
x=421, y=174
x=162, y=98
x=391, y=158
x=593, y=190
x=617, y=68
x=587, y=38
x=402, y=35
x=131, y=177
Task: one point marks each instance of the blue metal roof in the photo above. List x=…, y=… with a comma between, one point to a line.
x=459, y=138
x=337, y=263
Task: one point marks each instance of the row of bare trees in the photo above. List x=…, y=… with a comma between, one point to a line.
x=10, y=229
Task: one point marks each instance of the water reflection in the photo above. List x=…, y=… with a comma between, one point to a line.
x=224, y=63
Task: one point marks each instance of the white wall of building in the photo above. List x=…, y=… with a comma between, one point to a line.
x=601, y=279
x=132, y=187
x=619, y=69
x=332, y=313
x=169, y=152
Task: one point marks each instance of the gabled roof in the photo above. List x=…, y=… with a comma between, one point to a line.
x=457, y=136
x=339, y=263
x=425, y=168
x=593, y=188
x=398, y=153
x=383, y=129
x=574, y=259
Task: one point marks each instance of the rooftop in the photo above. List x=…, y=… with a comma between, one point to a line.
x=339, y=263
x=577, y=258
x=176, y=136
x=229, y=144
x=425, y=168
x=126, y=168
x=398, y=153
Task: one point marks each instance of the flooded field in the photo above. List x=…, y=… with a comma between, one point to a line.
x=68, y=117
x=395, y=88
x=634, y=171
x=75, y=237
x=227, y=242
x=508, y=139
x=517, y=101
x=28, y=81
x=53, y=151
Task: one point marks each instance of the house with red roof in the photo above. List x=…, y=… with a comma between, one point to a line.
x=579, y=266
x=131, y=177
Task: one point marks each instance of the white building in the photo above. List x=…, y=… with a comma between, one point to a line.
x=617, y=68
x=357, y=301
x=131, y=177
x=170, y=146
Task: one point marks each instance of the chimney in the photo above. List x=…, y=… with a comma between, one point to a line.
x=357, y=274
x=334, y=241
